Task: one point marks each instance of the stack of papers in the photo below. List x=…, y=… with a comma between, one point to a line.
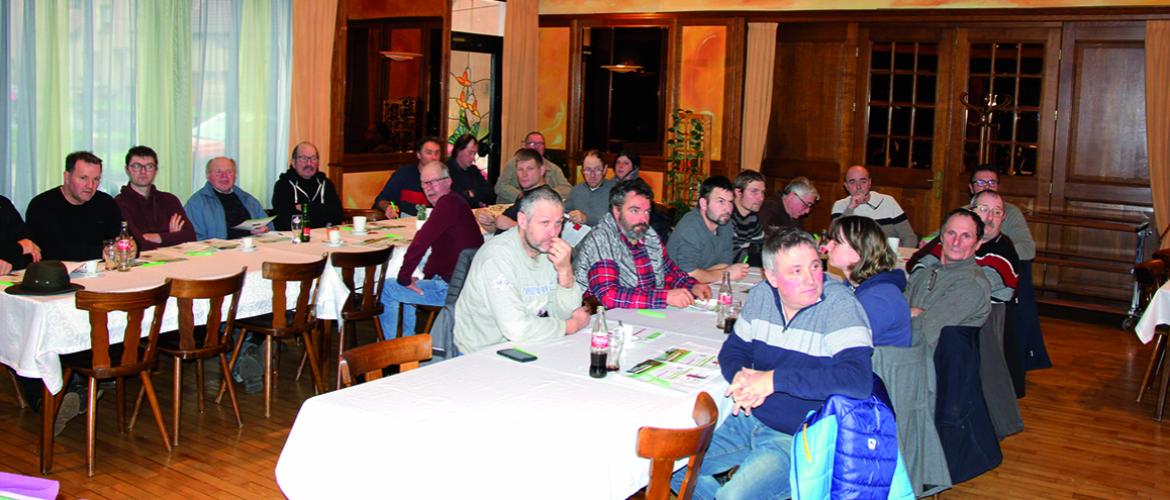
x=684, y=368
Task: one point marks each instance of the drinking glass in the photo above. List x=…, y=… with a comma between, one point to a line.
x=110, y=254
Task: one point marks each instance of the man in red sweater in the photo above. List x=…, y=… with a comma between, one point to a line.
x=450, y=228
x=155, y=218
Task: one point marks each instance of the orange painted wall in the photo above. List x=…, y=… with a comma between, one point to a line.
x=614, y=6
x=362, y=187
x=553, y=81
x=704, y=50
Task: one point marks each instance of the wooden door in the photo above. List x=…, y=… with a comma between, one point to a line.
x=1100, y=166
x=901, y=116
x=1020, y=67
x=810, y=130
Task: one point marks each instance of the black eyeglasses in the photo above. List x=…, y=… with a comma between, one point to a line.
x=149, y=167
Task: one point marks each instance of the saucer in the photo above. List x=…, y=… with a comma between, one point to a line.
x=242, y=249
x=334, y=245
x=359, y=233
x=83, y=274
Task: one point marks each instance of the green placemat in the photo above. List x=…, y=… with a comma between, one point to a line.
x=201, y=253
x=6, y=283
x=652, y=313
x=153, y=263
x=393, y=235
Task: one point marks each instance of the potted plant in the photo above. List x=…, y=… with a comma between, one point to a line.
x=685, y=172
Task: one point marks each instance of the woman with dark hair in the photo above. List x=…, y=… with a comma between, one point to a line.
x=625, y=167
x=466, y=178
x=857, y=246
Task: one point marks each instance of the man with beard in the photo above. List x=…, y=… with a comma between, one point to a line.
x=701, y=244
x=303, y=183
x=622, y=261
x=509, y=187
x=520, y=285
x=749, y=234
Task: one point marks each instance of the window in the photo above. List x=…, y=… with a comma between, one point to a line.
x=624, y=75
x=1013, y=73
x=903, y=82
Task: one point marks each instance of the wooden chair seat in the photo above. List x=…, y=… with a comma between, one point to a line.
x=665, y=446
x=135, y=355
x=264, y=324
x=369, y=360
x=169, y=343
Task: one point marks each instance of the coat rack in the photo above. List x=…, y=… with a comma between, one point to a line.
x=984, y=111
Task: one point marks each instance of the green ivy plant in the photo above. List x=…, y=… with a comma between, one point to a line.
x=685, y=167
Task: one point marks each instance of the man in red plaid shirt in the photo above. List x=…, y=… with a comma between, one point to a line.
x=623, y=262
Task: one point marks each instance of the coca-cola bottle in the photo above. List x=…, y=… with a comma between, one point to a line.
x=126, y=248
x=598, y=345
x=724, y=299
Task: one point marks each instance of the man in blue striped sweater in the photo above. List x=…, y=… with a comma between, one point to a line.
x=798, y=340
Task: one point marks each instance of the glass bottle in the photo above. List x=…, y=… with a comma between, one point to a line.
x=724, y=299
x=306, y=225
x=598, y=345
x=126, y=248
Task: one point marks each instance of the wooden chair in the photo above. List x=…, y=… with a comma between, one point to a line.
x=367, y=361
x=1164, y=256
x=135, y=355
x=364, y=302
x=1149, y=276
x=211, y=340
x=664, y=446
x=430, y=311
x=284, y=323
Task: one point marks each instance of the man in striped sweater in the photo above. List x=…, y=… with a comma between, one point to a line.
x=882, y=208
x=745, y=219
x=799, y=339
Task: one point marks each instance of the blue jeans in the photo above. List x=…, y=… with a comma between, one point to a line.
x=761, y=452
x=434, y=294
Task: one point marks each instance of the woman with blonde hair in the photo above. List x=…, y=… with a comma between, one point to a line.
x=857, y=246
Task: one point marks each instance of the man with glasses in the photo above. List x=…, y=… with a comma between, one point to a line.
x=403, y=192
x=701, y=242
x=1024, y=341
x=155, y=218
x=882, y=208
x=508, y=187
x=69, y=222
x=303, y=183
x=449, y=230
x=788, y=207
x=588, y=201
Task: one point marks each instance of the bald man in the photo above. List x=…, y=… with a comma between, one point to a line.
x=881, y=208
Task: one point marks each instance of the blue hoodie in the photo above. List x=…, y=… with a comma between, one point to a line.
x=886, y=307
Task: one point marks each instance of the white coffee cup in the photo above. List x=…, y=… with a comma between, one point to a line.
x=334, y=237
x=249, y=243
x=359, y=223
x=91, y=266
x=893, y=242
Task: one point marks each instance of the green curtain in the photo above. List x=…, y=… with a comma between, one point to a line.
x=255, y=84
x=163, y=81
x=53, y=96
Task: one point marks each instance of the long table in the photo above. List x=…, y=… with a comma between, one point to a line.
x=35, y=330
x=483, y=424
x=1157, y=313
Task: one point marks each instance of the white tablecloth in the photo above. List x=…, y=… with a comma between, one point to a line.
x=482, y=424
x=34, y=330
x=1157, y=313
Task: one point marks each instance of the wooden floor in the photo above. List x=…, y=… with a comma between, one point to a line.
x=1085, y=436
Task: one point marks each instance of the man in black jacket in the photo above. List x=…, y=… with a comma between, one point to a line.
x=16, y=249
x=304, y=183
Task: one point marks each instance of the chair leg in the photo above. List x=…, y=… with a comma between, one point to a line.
x=430, y=321
x=1155, y=360
x=120, y=393
x=231, y=365
x=401, y=306
x=176, y=404
x=342, y=330
x=378, y=329
x=90, y=421
x=311, y=352
x=1162, y=393
x=223, y=365
x=199, y=384
x=137, y=406
x=158, y=419
x=267, y=376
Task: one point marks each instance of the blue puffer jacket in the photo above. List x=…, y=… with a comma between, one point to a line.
x=849, y=449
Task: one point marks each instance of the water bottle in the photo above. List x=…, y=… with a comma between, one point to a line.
x=598, y=345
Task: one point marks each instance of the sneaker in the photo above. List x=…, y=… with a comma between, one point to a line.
x=250, y=369
x=70, y=408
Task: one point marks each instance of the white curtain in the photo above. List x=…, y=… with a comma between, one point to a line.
x=17, y=102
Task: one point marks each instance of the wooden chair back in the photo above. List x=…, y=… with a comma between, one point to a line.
x=1149, y=276
x=186, y=292
x=664, y=446
x=364, y=301
x=1164, y=256
x=307, y=275
x=134, y=304
x=367, y=361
